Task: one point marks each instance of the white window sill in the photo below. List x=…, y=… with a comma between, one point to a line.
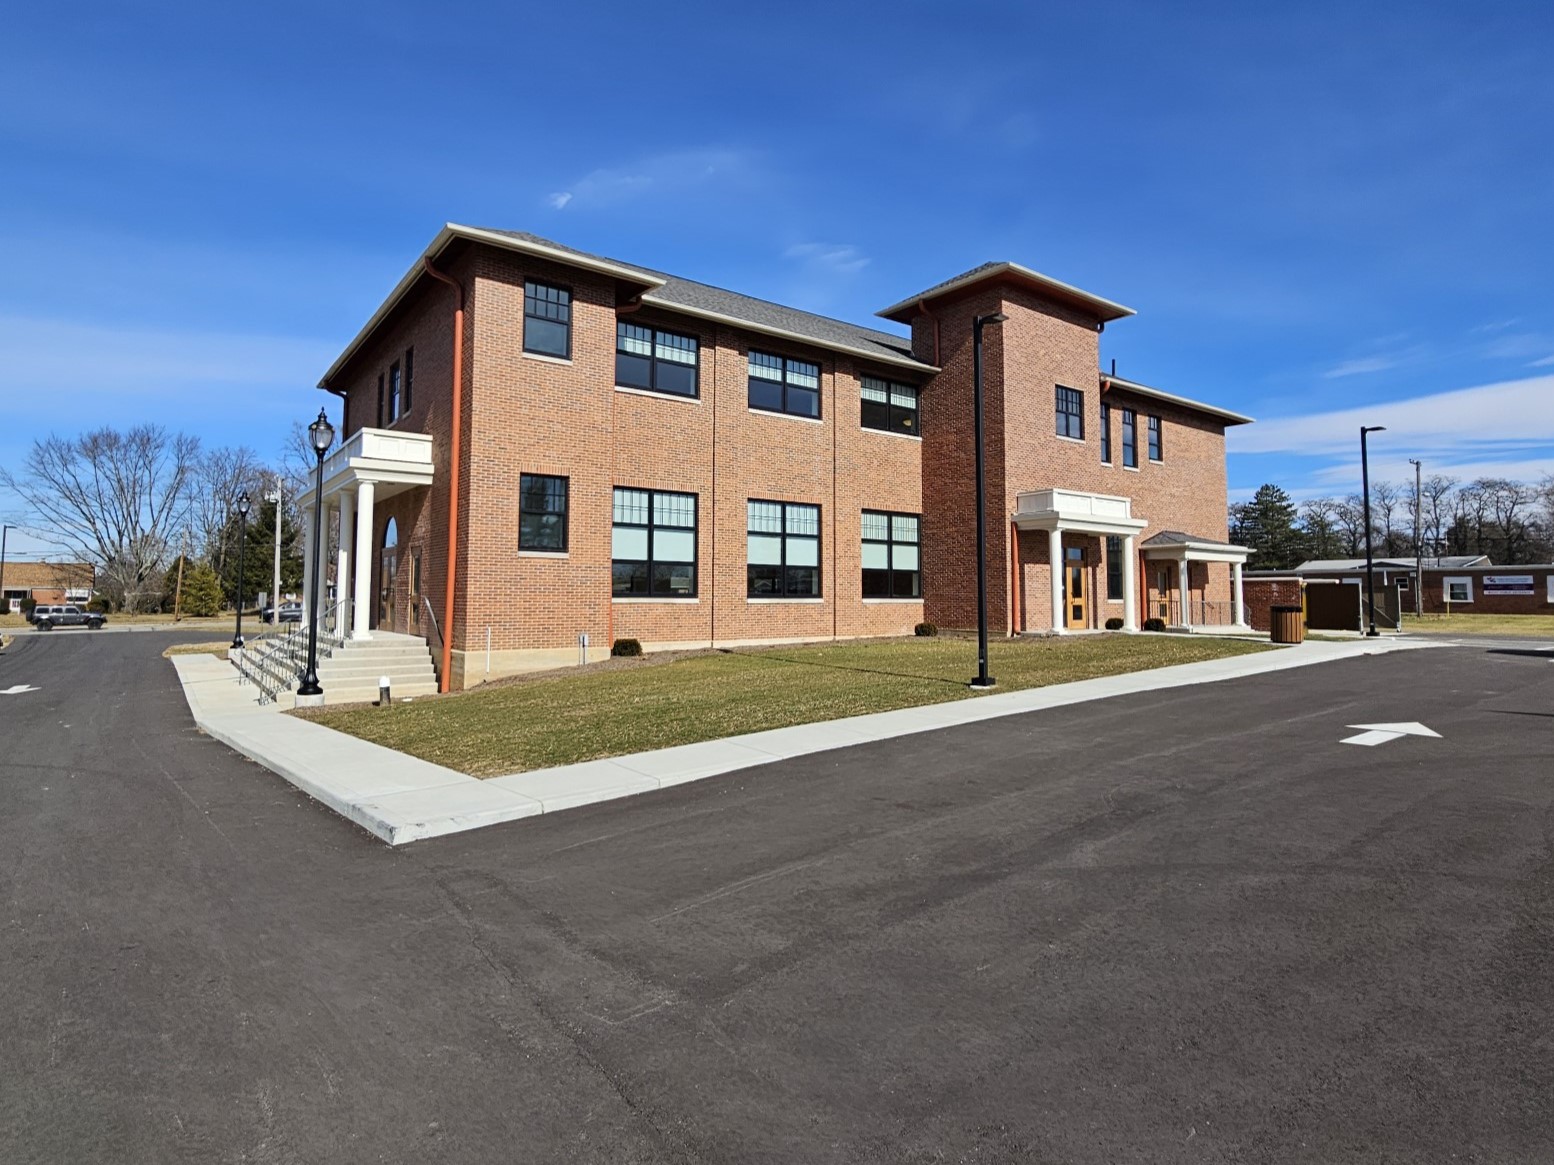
x=632, y=599
x=918, y=437
x=785, y=600
x=689, y=400
x=785, y=416
x=1131, y=468
x=1157, y=460
x=873, y=602
x=544, y=554
x=1070, y=440
x=544, y=359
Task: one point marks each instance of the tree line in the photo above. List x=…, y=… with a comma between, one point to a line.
x=140, y=502
x=1510, y=521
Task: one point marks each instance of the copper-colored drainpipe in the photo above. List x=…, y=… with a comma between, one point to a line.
x=445, y=672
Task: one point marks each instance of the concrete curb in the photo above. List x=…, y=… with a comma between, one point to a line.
x=400, y=798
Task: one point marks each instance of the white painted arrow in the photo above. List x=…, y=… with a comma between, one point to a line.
x=1375, y=734
x=16, y=690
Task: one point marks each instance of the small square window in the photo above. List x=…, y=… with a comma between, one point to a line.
x=547, y=320
x=1459, y=590
x=780, y=385
x=889, y=407
x=542, y=513
x=890, y=556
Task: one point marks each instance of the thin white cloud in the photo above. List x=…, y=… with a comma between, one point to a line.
x=1360, y=366
x=1546, y=362
x=559, y=200
x=1498, y=325
x=830, y=258
x=658, y=174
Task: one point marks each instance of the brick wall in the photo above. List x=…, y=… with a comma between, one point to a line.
x=1261, y=594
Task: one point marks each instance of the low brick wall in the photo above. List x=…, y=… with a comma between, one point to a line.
x=1262, y=593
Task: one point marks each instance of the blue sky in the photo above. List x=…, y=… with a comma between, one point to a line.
x=1324, y=213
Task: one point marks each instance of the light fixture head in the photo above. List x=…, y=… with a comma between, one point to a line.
x=244, y=504
x=997, y=317
x=1373, y=428
x=321, y=433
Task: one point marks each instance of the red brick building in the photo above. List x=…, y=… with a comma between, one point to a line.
x=624, y=453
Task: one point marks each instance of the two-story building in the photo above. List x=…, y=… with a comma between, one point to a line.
x=540, y=443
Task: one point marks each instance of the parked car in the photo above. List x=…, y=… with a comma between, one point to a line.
x=289, y=613
x=69, y=617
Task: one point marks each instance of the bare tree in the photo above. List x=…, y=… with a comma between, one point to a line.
x=221, y=476
x=1385, y=498
x=1350, y=516
x=1319, y=519
x=1469, y=515
x=1436, y=491
x=115, y=498
x=1510, y=503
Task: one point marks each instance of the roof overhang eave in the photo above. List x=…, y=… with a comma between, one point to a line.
x=1186, y=402
x=1105, y=310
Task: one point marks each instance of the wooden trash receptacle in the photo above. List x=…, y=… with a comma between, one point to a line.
x=1287, y=624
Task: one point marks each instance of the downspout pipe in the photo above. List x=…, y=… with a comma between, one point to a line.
x=445, y=676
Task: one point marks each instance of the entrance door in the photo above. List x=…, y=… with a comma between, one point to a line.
x=415, y=591
x=388, y=570
x=1163, y=595
x=1076, y=593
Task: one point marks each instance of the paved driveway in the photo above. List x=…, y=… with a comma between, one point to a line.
x=1189, y=926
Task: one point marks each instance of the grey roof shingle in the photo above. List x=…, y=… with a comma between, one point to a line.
x=760, y=313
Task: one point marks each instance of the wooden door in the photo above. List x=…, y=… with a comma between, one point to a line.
x=1076, y=589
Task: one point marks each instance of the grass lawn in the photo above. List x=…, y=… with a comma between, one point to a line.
x=217, y=648
x=1537, y=626
x=630, y=706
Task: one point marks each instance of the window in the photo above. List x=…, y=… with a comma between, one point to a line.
x=782, y=550
x=653, y=360
x=779, y=385
x=1114, y=567
x=1154, y=438
x=1459, y=590
x=653, y=544
x=547, y=320
x=542, y=512
x=1071, y=413
x=395, y=387
x=887, y=406
x=409, y=376
x=890, y=563
x=380, y=400
x=1130, y=448
x=1106, y=433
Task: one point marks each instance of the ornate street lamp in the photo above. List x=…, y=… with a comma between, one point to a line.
x=322, y=435
x=983, y=680
x=1365, y=489
x=243, y=506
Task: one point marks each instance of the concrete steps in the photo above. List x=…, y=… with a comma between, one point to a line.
x=350, y=673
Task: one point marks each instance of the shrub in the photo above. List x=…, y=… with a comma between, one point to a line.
x=98, y=606
x=626, y=647
x=1114, y=624
x=201, y=592
x=28, y=605
x=925, y=629
x=1154, y=624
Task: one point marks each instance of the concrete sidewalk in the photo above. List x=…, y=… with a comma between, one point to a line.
x=400, y=798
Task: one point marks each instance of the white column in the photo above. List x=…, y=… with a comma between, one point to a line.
x=1237, y=598
x=1055, y=557
x=307, y=564
x=363, y=595
x=343, y=552
x=1130, y=598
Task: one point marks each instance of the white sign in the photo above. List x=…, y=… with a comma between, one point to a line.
x=1375, y=734
x=1508, y=584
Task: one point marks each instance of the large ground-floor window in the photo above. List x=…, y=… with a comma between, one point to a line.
x=890, y=556
x=782, y=551
x=653, y=544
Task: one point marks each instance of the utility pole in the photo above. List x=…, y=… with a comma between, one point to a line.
x=4, y=606
x=1418, y=545
x=275, y=592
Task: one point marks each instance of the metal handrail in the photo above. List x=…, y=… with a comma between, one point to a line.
x=281, y=665
x=436, y=630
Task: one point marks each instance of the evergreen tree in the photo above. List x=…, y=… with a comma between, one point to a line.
x=1266, y=525
x=201, y=591
x=259, y=555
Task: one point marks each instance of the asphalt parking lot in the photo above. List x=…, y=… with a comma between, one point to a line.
x=1184, y=926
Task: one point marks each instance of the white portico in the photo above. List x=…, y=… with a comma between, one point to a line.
x=1178, y=606
x=1059, y=511
x=372, y=464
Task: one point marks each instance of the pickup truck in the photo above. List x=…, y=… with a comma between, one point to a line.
x=69, y=617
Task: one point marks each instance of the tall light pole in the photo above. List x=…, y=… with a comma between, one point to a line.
x=1418, y=545
x=243, y=506
x=983, y=680
x=322, y=435
x=275, y=590
x=4, y=606
x=1370, y=561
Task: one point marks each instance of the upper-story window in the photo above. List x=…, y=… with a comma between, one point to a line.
x=651, y=359
x=396, y=388
x=542, y=512
x=381, y=379
x=780, y=385
x=782, y=550
x=1130, y=439
x=888, y=406
x=409, y=377
x=1106, y=433
x=1071, y=413
x=547, y=320
x=1154, y=438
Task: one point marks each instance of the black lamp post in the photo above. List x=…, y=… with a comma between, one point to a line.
x=1370, y=562
x=243, y=505
x=322, y=434
x=983, y=680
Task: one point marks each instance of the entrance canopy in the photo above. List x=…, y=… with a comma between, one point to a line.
x=1070, y=510
x=1174, y=546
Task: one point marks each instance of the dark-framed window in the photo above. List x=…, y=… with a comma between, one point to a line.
x=888, y=406
x=547, y=320
x=653, y=544
x=1130, y=439
x=1071, y=413
x=780, y=385
x=1114, y=567
x=1106, y=433
x=890, y=555
x=380, y=400
x=409, y=377
x=396, y=386
x=1154, y=438
x=782, y=549
x=542, y=512
x=655, y=360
